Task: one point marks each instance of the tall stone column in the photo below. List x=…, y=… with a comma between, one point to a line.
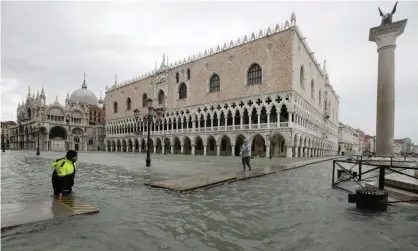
x=385, y=37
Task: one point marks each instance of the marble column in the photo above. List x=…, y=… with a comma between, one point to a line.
x=385, y=38
x=289, y=151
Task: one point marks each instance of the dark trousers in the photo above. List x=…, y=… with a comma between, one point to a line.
x=246, y=161
x=62, y=184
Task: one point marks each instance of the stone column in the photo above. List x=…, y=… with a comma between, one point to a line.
x=182, y=149
x=193, y=149
x=204, y=150
x=155, y=149
x=218, y=150
x=162, y=148
x=268, y=151
x=385, y=38
x=232, y=150
x=289, y=151
x=172, y=149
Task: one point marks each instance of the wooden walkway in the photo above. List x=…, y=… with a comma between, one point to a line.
x=16, y=214
x=213, y=179
x=207, y=180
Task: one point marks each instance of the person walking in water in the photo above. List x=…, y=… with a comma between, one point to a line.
x=64, y=173
x=246, y=155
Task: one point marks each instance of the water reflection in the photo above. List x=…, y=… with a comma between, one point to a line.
x=294, y=210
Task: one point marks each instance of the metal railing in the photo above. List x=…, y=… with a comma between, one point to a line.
x=387, y=165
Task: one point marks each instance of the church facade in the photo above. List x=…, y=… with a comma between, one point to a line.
x=266, y=87
x=60, y=127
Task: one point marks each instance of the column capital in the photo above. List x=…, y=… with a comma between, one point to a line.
x=385, y=35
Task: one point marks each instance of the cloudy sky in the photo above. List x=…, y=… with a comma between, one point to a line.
x=51, y=44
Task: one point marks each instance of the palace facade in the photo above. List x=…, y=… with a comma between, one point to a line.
x=77, y=125
x=266, y=87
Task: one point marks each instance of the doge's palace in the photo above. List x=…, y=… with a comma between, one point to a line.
x=266, y=87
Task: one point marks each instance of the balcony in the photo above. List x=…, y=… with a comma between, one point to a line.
x=214, y=129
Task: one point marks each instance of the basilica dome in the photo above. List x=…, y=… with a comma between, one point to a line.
x=83, y=96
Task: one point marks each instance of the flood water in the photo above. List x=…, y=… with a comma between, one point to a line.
x=293, y=210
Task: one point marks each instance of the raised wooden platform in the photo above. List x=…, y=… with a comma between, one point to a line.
x=207, y=180
x=16, y=214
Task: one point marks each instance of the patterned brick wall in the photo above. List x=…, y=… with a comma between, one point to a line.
x=273, y=53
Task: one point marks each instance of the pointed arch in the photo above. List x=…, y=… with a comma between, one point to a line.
x=128, y=104
x=182, y=91
x=115, y=107
x=254, y=74
x=161, y=97
x=214, y=83
x=302, y=76
x=144, y=100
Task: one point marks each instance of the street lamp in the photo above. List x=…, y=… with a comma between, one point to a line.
x=2, y=143
x=37, y=148
x=148, y=119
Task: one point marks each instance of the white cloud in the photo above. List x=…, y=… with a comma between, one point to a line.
x=52, y=44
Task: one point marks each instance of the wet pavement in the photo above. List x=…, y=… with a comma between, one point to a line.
x=293, y=210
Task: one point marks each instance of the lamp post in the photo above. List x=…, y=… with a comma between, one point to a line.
x=37, y=148
x=148, y=120
x=2, y=143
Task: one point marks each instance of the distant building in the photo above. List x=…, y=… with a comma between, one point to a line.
x=78, y=124
x=348, y=139
x=5, y=132
x=403, y=146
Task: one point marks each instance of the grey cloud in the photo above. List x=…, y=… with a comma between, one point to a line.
x=53, y=43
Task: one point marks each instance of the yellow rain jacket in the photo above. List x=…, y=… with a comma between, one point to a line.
x=64, y=167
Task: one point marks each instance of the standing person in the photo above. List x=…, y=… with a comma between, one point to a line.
x=64, y=173
x=246, y=155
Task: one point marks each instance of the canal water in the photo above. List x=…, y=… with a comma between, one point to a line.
x=293, y=210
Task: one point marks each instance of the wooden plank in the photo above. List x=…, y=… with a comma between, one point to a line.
x=253, y=174
x=195, y=182
x=208, y=180
x=17, y=214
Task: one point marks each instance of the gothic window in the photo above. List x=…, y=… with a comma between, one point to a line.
x=144, y=100
x=90, y=142
x=161, y=97
x=254, y=75
x=128, y=104
x=115, y=107
x=177, y=77
x=320, y=97
x=188, y=74
x=215, y=83
x=312, y=89
x=302, y=76
x=182, y=91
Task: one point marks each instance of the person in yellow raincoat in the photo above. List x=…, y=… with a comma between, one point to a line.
x=64, y=173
